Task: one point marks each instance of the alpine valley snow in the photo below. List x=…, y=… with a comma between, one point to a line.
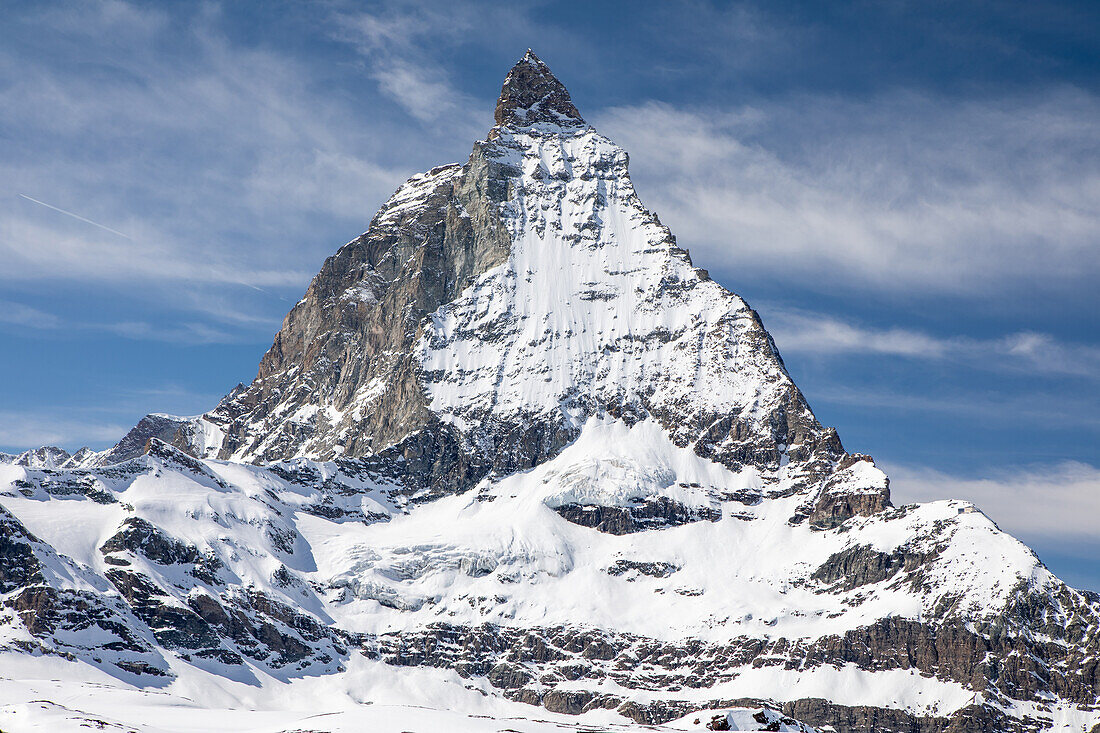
x=513, y=449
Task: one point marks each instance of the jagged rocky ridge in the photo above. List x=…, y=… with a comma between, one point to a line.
x=512, y=432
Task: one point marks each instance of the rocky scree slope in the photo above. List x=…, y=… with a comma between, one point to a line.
x=512, y=434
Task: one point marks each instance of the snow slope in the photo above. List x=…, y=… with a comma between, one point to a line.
x=500, y=555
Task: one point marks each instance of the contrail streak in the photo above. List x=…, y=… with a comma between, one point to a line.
x=127, y=236
x=265, y=292
x=76, y=216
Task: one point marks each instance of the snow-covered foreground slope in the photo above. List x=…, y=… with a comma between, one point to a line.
x=53, y=697
x=513, y=449
x=245, y=586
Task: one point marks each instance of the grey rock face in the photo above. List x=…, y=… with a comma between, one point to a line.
x=861, y=565
x=347, y=346
x=58, y=619
x=531, y=93
x=138, y=536
x=652, y=569
x=527, y=663
x=132, y=445
x=18, y=565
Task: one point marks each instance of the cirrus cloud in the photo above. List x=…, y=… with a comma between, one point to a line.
x=902, y=191
x=814, y=333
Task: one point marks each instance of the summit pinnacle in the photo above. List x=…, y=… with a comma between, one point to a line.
x=531, y=93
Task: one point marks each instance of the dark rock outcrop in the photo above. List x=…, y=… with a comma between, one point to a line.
x=132, y=445
x=652, y=513
x=142, y=538
x=652, y=569
x=531, y=93
x=861, y=565
x=1000, y=660
x=18, y=565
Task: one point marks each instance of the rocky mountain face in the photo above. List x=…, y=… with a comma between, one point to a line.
x=513, y=442
x=492, y=308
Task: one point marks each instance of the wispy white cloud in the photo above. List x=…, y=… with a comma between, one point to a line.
x=229, y=175
x=798, y=331
x=1029, y=411
x=900, y=192
x=812, y=333
x=22, y=431
x=36, y=250
x=424, y=97
x=394, y=41
x=97, y=425
x=236, y=325
x=184, y=333
x=1057, y=501
x=18, y=314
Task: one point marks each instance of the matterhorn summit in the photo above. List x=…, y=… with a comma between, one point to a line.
x=513, y=449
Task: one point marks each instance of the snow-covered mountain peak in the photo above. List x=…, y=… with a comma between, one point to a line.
x=532, y=94
x=513, y=437
x=51, y=457
x=495, y=306
x=597, y=310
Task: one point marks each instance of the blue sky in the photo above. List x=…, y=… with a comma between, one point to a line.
x=909, y=193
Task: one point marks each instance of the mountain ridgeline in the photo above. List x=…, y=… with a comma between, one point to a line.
x=366, y=362
x=511, y=433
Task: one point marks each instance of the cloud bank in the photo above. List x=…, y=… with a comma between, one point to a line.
x=1057, y=501
x=1024, y=351
x=899, y=192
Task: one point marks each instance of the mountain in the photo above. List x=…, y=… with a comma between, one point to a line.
x=194, y=435
x=50, y=456
x=513, y=448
